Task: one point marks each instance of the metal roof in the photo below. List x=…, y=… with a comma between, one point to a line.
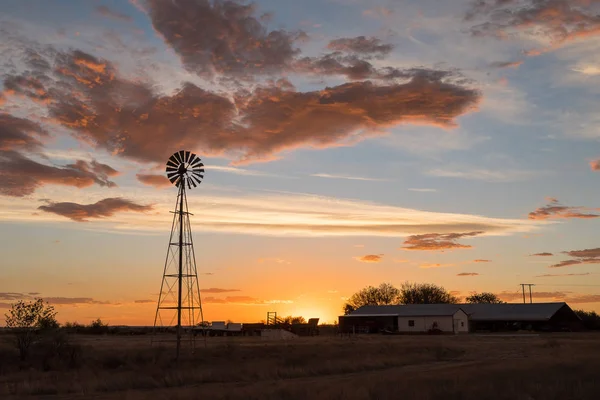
x=476, y=312
x=512, y=312
x=409, y=310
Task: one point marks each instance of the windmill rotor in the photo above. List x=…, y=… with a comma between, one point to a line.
x=185, y=168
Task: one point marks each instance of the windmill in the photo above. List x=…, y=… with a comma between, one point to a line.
x=179, y=302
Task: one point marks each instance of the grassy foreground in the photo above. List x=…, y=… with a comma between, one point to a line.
x=557, y=366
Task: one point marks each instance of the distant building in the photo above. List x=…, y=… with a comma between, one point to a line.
x=460, y=318
x=413, y=318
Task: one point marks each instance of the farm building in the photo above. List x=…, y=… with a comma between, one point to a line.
x=413, y=318
x=459, y=318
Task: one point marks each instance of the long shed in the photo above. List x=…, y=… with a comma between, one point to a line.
x=458, y=318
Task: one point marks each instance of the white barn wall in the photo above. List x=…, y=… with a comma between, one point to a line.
x=423, y=324
x=462, y=322
x=458, y=323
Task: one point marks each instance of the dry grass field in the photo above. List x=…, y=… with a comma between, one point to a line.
x=551, y=366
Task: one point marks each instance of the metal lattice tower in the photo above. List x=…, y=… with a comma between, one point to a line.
x=179, y=303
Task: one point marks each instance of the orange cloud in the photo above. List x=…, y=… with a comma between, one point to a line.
x=482, y=261
x=468, y=274
x=437, y=241
x=158, y=181
x=587, y=256
x=370, y=258
x=222, y=37
x=558, y=21
x=20, y=176
x=88, y=96
x=595, y=165
x=18, y=133
x=542, y=255
x=100, y=209
x=556, y=211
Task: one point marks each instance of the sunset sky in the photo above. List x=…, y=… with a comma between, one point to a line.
x=346, y=143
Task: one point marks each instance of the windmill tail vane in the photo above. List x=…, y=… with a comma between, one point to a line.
x=179, y=305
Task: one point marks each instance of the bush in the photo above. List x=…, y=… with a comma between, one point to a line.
x=590, y=319
x=27, y=320
x=98, y=327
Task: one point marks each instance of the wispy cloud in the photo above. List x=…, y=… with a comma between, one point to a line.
x=481, y=261
x=218, y=290
x=468, y=274
x=557, y=275
x=545, y=254
x=237, y=171
x=488, y=175
x=425, y=190
x=590, y=70
x=243, y=300
x=554, y=210
x=370, y=258
x=353, y=178
x=435, y=265
x=289, y=214
x=437, y=241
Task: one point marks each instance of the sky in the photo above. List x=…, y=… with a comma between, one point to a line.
x=346, y=143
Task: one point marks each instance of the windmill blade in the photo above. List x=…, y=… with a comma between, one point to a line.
x=176, y=159
x=188, y=182
x=196, y=162
x=172, y=175
x=172, y=163
x=171, y=169
x=192, y=181
x=200, y=165
x=172, y=179
x=187, y=156
x=197, y=179
x=182, y=155
x=193, y=158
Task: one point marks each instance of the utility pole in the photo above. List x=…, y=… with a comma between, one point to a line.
x=530, y=295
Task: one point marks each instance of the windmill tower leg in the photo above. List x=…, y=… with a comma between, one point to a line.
x=180, y=277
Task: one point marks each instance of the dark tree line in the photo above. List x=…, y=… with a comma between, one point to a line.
x=410, y=293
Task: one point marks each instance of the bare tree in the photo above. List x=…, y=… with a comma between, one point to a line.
x=484, y=297
x=385, y=294
x=425, y=293
x=24, y=319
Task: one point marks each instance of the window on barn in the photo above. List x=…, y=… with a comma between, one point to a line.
x=411, y=322
x=462, y=323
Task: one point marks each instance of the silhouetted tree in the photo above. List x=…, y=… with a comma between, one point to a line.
x=98, y=327
x=425, y=293
x=25, y=318
x=484, y=297
x=590, y=319
x=385, y=294
x=293, y=320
